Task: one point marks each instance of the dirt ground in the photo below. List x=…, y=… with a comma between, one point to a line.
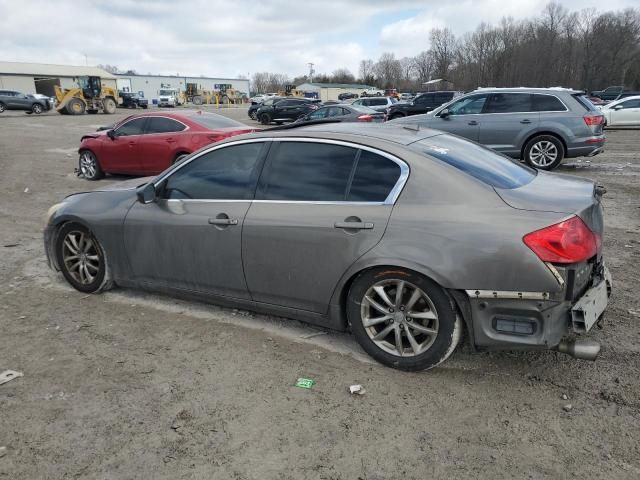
x=128, y=385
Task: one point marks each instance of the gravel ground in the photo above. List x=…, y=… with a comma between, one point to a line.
x=132, y=385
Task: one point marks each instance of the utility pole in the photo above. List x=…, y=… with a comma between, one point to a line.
x=311, y=72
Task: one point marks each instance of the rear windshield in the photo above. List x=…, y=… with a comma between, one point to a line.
x=476, y=160
x=213, y=121
x=586, y=103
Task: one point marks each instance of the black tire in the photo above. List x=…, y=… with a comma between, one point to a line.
x=90, y=255
x=378, y=94
x=3, y=107
x=89, y=165
x=252, y=116
x=265, y=119
x=109, y=106
x=75, y=106
x=197, y=100
x=437, y=347
x=145, y=106
x=535, y=156
x=37, y=108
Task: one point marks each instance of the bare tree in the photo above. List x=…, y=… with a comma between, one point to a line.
x=423, y=66
x=367, y=71
x=109, y=68
x=342, y=75
x=388, y=70
x=443, y=45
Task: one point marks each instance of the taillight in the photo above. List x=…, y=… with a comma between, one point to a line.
x=593, y=120
x=570, y=241
x=365, y=118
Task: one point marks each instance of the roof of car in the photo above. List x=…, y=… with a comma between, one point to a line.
x=526, y=89
x=394, y=133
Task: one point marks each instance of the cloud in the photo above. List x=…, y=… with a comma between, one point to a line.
x=226, y=39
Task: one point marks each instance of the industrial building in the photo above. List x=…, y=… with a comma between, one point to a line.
x=149, y=85
x=330, y=91
x=41, y=77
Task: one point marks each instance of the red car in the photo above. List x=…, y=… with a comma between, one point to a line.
x=149, y=143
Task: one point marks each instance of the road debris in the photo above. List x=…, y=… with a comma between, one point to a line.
x=311, y=335
x=3, y=451
x=305, y=383
x=568, y=407
x=11, y=245
x=9, y=375
x=564, y=396
x=357, y=390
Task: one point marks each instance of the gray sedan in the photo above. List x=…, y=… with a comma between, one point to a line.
x=344, y=113
x=406, y=237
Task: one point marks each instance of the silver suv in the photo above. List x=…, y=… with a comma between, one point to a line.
x=540, y=125
x=379, y=104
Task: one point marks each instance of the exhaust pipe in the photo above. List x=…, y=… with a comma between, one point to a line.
x=583, y=349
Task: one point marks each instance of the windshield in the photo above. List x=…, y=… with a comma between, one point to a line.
x=213, y=121
x=167, y=92
x=480, y=162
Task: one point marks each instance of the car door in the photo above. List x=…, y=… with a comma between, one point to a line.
x=121, y=154
x=190, y=237
x=318, y=114
x=157, y=146
x=626, y=112
x=319, y=206
x=507, y=120
x=461, y=117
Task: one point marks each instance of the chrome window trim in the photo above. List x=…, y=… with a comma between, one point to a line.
x=442, y=107
x=391, y=199
x=187, y=127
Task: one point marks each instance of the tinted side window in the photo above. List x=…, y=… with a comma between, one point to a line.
x=631, y=104
x=132, y=127
x=468, y=105
x=335, y=112
x=228, y=173
x=508, y=103
x=164, y=125
x=300, y=171
x=374, y=178
x=441, y=98
x=378, y=101
x=423, y=100
x=547, y=103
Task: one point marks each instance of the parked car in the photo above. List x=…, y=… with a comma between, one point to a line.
x=622, y=113
x=259, y=98
x=405, y=97
x=540, y=125
x=344, y=113
x=423, y=103
x=347, y=96
x=378, y=104
x=372, y=92
x=337, y=225
x=285, y=109
x=12, y=100
x=253, y=108
x=148, y=143
x=133, y=100
x=614, y=93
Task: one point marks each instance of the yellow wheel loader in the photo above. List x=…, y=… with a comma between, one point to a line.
x=90, y=96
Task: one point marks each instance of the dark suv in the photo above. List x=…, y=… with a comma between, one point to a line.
x=12, y=100
x=286, y=109
x=423, y=103
x=540, y=125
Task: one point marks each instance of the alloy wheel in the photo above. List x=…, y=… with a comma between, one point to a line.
x=399, y=318
x=543, y=154
x=81, y=257
x=88, y=164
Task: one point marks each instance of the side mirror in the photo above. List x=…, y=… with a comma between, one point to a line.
x=111, y=134
x=444, y=113
x=146, y=193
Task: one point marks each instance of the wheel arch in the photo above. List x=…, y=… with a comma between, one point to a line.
x=92, y=150
x=541, y=133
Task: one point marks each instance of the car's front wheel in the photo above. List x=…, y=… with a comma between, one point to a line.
x=2, y=107
x=36, y=108
x=81, y=259
x=544, y=152
x=89, y=166
x=402, y=319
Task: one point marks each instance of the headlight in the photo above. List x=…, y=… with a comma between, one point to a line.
x=52, y=210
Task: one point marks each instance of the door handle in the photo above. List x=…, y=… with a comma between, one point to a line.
x=354, y=225
x=169, y=140
x=132, y=143
x=526, y=120
x=473, y=122
x=223, y=221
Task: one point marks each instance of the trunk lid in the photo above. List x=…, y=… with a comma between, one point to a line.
x=562, y=194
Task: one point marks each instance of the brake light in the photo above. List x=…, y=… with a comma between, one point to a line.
x=365, y=118
x=593, y=120
x=570, y=241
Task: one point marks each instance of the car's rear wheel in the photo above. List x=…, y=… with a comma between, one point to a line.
x=2, y=107
x=179, y=158
x=36, y=108
x=265, y=119
x=402, y=319
x=81, y=259
x=544, y=152
x=89, y=166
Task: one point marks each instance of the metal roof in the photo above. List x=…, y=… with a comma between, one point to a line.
x=49, y=70
x=338, y=85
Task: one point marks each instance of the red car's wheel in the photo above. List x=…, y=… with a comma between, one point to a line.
x=89, y=166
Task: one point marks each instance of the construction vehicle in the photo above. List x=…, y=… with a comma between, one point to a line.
x=90, y=96
x=197, y=96
x=290, y=91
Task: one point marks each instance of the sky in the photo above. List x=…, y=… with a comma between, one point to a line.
x=227, y=39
